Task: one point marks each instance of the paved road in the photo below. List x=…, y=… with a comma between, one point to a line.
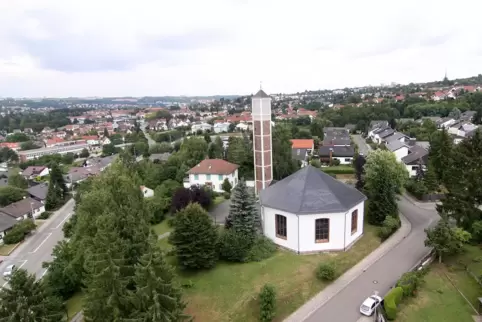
x=38, y=248
x=363, y=147
x=383, y=274
x=150, y=141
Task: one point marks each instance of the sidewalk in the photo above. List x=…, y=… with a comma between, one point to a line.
x=420, y=204
x=331, y=290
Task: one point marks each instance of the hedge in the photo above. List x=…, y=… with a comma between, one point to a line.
x=391, y=301
x=338, y=170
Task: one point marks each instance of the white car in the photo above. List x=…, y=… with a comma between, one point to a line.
x=370, y=304
x=8, y=271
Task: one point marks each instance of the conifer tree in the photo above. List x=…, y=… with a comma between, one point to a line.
x=194, y=238
x=156, y=297
x=440, y=154
x=28, y=300
x=243, y=213
x=430, y=178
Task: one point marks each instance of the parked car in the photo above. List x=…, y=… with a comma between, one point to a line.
x=370, y=304
x=8, y=271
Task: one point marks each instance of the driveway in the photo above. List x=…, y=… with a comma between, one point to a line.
x=220, y=212
x=384, y=273
x=363, y=147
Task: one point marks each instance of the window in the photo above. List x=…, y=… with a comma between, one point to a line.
x=354, y=221
x=347, y=160
x=281, y=227
x=196, y=177
x=322, y=230
x=220, y=177
x=415, y=167
x=208, y=177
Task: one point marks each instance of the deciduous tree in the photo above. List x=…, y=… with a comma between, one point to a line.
x=446, y=240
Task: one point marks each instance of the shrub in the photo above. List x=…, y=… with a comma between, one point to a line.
x=227, y=195
x=391, y=301
x=19, y=231
x=389, y=226
x=339, y=170
x=409, y=282
x=316, y=163
x=416, y=188
x=267, y=303
x=233, y=246
x=263, y=248
x=45, y=215
x=368, y=140
x=326, y=272
x=336, y=162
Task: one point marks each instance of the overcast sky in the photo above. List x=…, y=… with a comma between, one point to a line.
x=191, y=47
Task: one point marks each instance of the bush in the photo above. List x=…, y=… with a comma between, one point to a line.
x=410, y=282
x=19, y=231
x=391, y=301
x=368, y=140
x=263, y=248
x=416, y=188
x=316, y=163
x=45, y=215
x=339, y=170
x=233, y=247
x=336, y=162
x=267, y=303
x=389, y=226
x=69, y=226
x=227, y=195
x=326, y=272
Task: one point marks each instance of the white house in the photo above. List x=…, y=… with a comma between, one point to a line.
x=201, y=127
x=400, y=149
x=310, y=211
x=23, y=209
x=212, y=173
x=445, y=122
x=147, y=192
x=31, y=172
x=221, y=127
x=344, y=154
x=6, y=223
x=242, y=127
x=106, y=141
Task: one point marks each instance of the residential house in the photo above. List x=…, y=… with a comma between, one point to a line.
x=381, y=135
x=376, y=125
x=301, y=149
x=15, y=146
x=212, y=173
x=396, y=136
x=221, y=127
x=399, y=148
x=445, y=122
x=325, y=215
x=39, y=192
x=32, y=172
x=416, y=157
x=6, y=223
x=344, y=154
x=468, y=116
x=147, y=192
x=461, y=128
x=23, y=209
x=242, y=127
x=91, y=139
x=204, y=127
x=105, y=141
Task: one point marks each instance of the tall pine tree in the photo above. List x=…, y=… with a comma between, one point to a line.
x=243, y=215
x=194, y=238
x=440, y=154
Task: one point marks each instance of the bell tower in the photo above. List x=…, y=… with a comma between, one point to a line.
x=262, y=144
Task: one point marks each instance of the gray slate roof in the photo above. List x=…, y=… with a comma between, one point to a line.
x=386, y=132
x=395, y=137
x=261, y=94
x=395, y=145
x=415, y=154
x=39, y=191
x=310, y=191
x=338, y=151
x=6, y=222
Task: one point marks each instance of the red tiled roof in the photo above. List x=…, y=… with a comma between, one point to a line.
x=302, y=144
x=10, y=145
x=214, y=166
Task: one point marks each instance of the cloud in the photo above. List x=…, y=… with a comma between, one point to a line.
x=151, y=47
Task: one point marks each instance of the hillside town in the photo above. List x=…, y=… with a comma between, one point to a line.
x=228, y=196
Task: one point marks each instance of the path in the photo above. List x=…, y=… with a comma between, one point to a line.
x=38, y=248
x=363, y=147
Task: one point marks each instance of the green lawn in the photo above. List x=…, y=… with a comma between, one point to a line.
x=218, y=200
x=161, y=228
x=74, y=305
x=437, y=300
x=6, y=249
x=229, y=291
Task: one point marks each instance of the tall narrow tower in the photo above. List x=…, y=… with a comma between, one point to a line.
x=263, y=158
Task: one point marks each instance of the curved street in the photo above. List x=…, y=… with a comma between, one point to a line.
x=378, y=275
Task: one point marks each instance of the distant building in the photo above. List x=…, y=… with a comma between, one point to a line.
x=212, y=173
